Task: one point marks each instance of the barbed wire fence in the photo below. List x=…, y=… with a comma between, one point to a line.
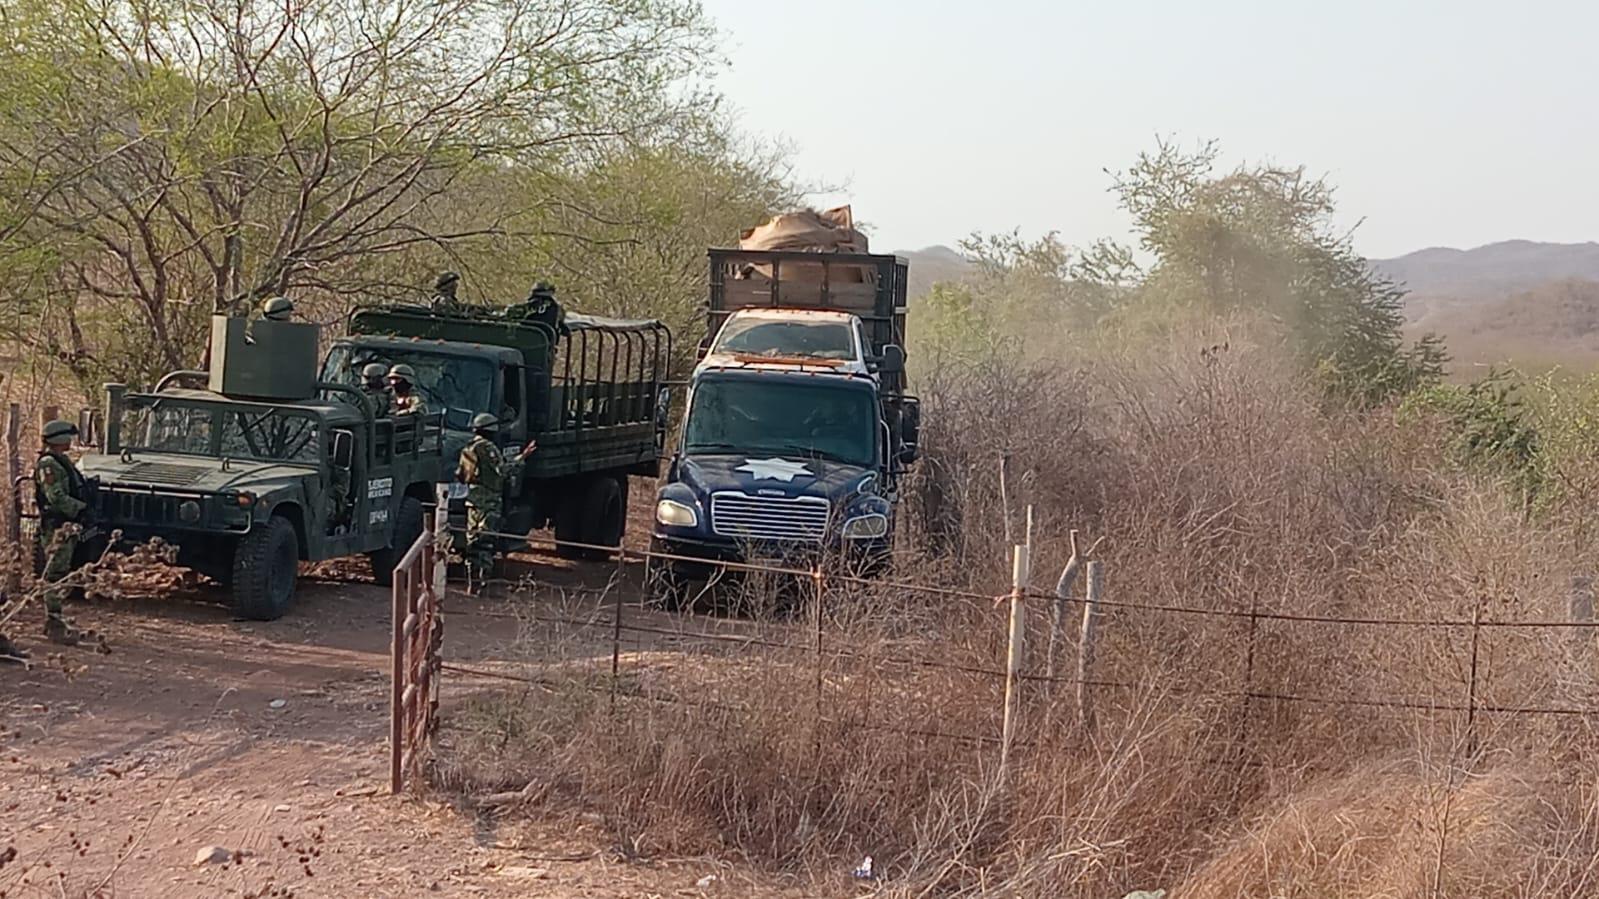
x=1063, y=620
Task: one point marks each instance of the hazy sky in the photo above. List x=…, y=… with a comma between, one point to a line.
x=1441, y=123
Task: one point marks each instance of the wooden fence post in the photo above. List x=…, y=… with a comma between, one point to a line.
x=1085, y=646
x=13, y=472
x=1004, y=495
x=1063, y=598
x=1471, y=685
x=1013, y=654
x=1581, y=642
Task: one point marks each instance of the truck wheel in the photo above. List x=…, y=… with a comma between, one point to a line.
x=569, y=525
x=265, y=564
x=603, y=515
x=407, y=527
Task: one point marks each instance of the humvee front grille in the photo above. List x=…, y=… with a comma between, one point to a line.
x=165, y=473
x=145, y=508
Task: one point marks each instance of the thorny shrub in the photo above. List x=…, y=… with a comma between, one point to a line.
x=1245, y=752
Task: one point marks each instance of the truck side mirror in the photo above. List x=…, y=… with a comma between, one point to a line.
x=911, y=421
x=343, y=449
x=663, y=407
x=892, y=362
x=908, y=454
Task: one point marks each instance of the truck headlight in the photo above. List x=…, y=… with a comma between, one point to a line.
x=866, y=527
x=676, y=514
x=189, y=511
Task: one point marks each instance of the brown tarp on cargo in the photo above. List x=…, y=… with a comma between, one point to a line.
x=830, y=231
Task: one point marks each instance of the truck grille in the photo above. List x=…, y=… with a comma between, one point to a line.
x=742, y=517
x=165, y=473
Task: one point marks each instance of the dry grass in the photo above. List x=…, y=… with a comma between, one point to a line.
x=1217, y=484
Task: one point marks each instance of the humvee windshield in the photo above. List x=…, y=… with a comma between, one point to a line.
x=169, y=425
x=458, y=386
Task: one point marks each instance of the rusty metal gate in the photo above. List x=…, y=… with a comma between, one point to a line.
x=416, y=653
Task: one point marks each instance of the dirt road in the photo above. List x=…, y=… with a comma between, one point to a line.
x=269, y=741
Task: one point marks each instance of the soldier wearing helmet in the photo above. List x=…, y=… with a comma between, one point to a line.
x=277, y=309
x=484, y=471
x=402, y=384
x=62, y=498
x=541, y=306
x=444, y=292
x=377, y=392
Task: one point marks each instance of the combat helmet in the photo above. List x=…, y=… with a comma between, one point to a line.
x=59, y=431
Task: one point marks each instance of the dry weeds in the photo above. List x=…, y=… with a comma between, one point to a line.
x=1245, y=753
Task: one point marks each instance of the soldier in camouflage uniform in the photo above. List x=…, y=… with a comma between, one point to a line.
x=541, y=306
x=377, y=392
x=61, y=496
x=407, y=400
x=484, y=471
x=444, y=292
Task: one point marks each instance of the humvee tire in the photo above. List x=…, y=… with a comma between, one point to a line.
x=407, y=527
x=266, y=563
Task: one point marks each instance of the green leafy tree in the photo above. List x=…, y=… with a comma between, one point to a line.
x=1259, y=239
x=203, y=154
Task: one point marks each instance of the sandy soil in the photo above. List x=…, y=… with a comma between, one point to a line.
x=269, y=740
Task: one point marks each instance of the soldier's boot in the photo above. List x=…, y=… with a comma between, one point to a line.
x=11, y=652
x=58, y=630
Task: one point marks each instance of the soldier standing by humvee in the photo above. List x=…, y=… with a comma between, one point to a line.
x=406, y=399
x=62, y=498
x=484, y=471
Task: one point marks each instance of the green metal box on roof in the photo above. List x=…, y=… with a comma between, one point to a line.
x=263, y=360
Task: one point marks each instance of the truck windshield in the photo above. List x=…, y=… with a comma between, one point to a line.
x=458, y=386
x=755, y=336
x=168, y=425
x=825, y=421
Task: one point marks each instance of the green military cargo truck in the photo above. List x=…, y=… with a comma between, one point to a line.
x=590, y=392
x=254, y=466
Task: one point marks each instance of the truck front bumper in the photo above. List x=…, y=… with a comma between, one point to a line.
x=698, y=558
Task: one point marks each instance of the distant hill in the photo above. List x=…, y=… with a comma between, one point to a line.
x=1491, y=270
x=931, y=265
x=1518, y=301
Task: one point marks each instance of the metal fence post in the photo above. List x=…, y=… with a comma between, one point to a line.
x=397, y=687
x=1013, y=654
x=1085, y=646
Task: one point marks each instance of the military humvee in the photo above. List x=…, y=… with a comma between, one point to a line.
x=252, y=467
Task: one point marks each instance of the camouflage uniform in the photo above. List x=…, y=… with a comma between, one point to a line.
x=377, y=393
x=60, y=494
x=444, y=293
x=410, y=404
x=482, y=470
